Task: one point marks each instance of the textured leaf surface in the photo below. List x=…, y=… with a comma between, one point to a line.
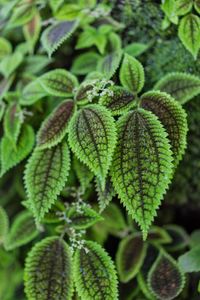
x=48, y=271
x=4, y=225
x=132, y=74
x=105, y=194
x=92, y=138
x=58, y=82
x=118, y=100
x=181, y=86
x=141, y=167
x=45, y=176
x=130, y=256
x=10, y=155
x=189, y=33
x=173, y=118
x=22, y=231
x=56, y=34
x=165, y=279
x=95, y=273
x=109, y=64
x=54, y=128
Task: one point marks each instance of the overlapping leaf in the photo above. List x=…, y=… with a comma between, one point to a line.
x=92, y=138
x=105, y=194
x=141, y=167
x=172, y=116
x=95, y=273
x=45, y=176
x=54, y=128
x=48, y=271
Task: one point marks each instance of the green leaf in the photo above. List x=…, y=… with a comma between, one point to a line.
x=189, y=33
x=83, y=218
x=32, y=93
x=45, y=176
x=136, y=49
x=92, y=137
x=197, y=6
x=181, y=86
x=22, y=231
x=190, y=261
x=180, y=239
x=4, y=225
x=54, y=128
x=10, y=63
x=5, y=85
x=12, y=122
x=32, y=30
x=118, y=100
x=22, y=14
x=132, y=74
x=5, y=47
x=95, y=273
x=84, y=175
x=169, y=8
x=85, y=63
x=195, y=238
x=56, y=34
x=159, y=235
x=130, y=256
x=173, y=118
x=105, y=194
x=110, y=63
x=48, y=271
x=112, y=213
x=12, y=155
x=55, y=4
x=142, y=165
x=183, y=7
x=165, y=279
x=82, y=95
x=58, y=82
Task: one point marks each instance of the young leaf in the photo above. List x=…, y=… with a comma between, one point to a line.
x=56, y=34
x=92, y=137
x=5, y=47
x=142, y=165
x=95, y=273
x=83, y=218
x=106, y=194
x=110, y=63
x=179, y=238
x=165, y=279
x=12, y=122
x=183, y=7
x=4, y=225
x=32, y=93
x=190, y=261
x=136, y=49
x=58, y=82
x=118, y=100
x=10, y=155
x=45, y=176
x=84, y=175
x=173, y=118
x=132, y=74
x=130, y=256
x=48, y=271
x=54, y=128
x=22, y=231
x=189, y=33
x=10, y=63
x=181, y=86
x=85, y=63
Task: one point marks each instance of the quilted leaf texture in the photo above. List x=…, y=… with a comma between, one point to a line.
x=95, y=273
x=58, y=82
x=118, y=101
x=48, y=271
x=12, y=155
x=22, y=231
x=165, y=279
x=92, y=137
x=130, y=256
x=45, y=176
x=173, y=118
x=56, y=34
x=142, y=165
x=4, y=225
x=54, y=128
x=181, y=86
x=106, y=194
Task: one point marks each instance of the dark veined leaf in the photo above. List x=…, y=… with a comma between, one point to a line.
x=183, y=7
x=159, y=235
x=54, y=128
x=4, y=225
x=32, y=93
x=142, y=165
x=22, y=231
x=45, y=176
x=110, y=63
x=83, y=91
x=92, y=137
x=181, y=86
x=165, y=279
x=132, y=74
x=12, y=122
x=130, y=256
x=5, y=85
x=197, y=6
x=31, y=31
x=83, y=218
x=58, y=82
x=190, y=261
x=118, y=100
x=48, y=271
x=10, y=63
x=12, y=155
x=105, y=194
x=95, y=273
x=179, y=238
x=84, y=175
x=189, y=33
x=173, y=118
x=56, y=34
x=85, y=63
x=5, y=47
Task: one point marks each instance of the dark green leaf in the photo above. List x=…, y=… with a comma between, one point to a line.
x=105, y=194
x=85, y=63
x=179, y=237
x=4, y=225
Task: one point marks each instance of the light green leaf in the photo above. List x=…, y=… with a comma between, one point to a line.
x=169, y=8
x=4, y=225
x=190, y=261
x=85, y=63
x=110, y=63
x=23, y=12
x=183, y=7
x=10, y=63
x=5, y=47
x=32, y=92
x=136, y=49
